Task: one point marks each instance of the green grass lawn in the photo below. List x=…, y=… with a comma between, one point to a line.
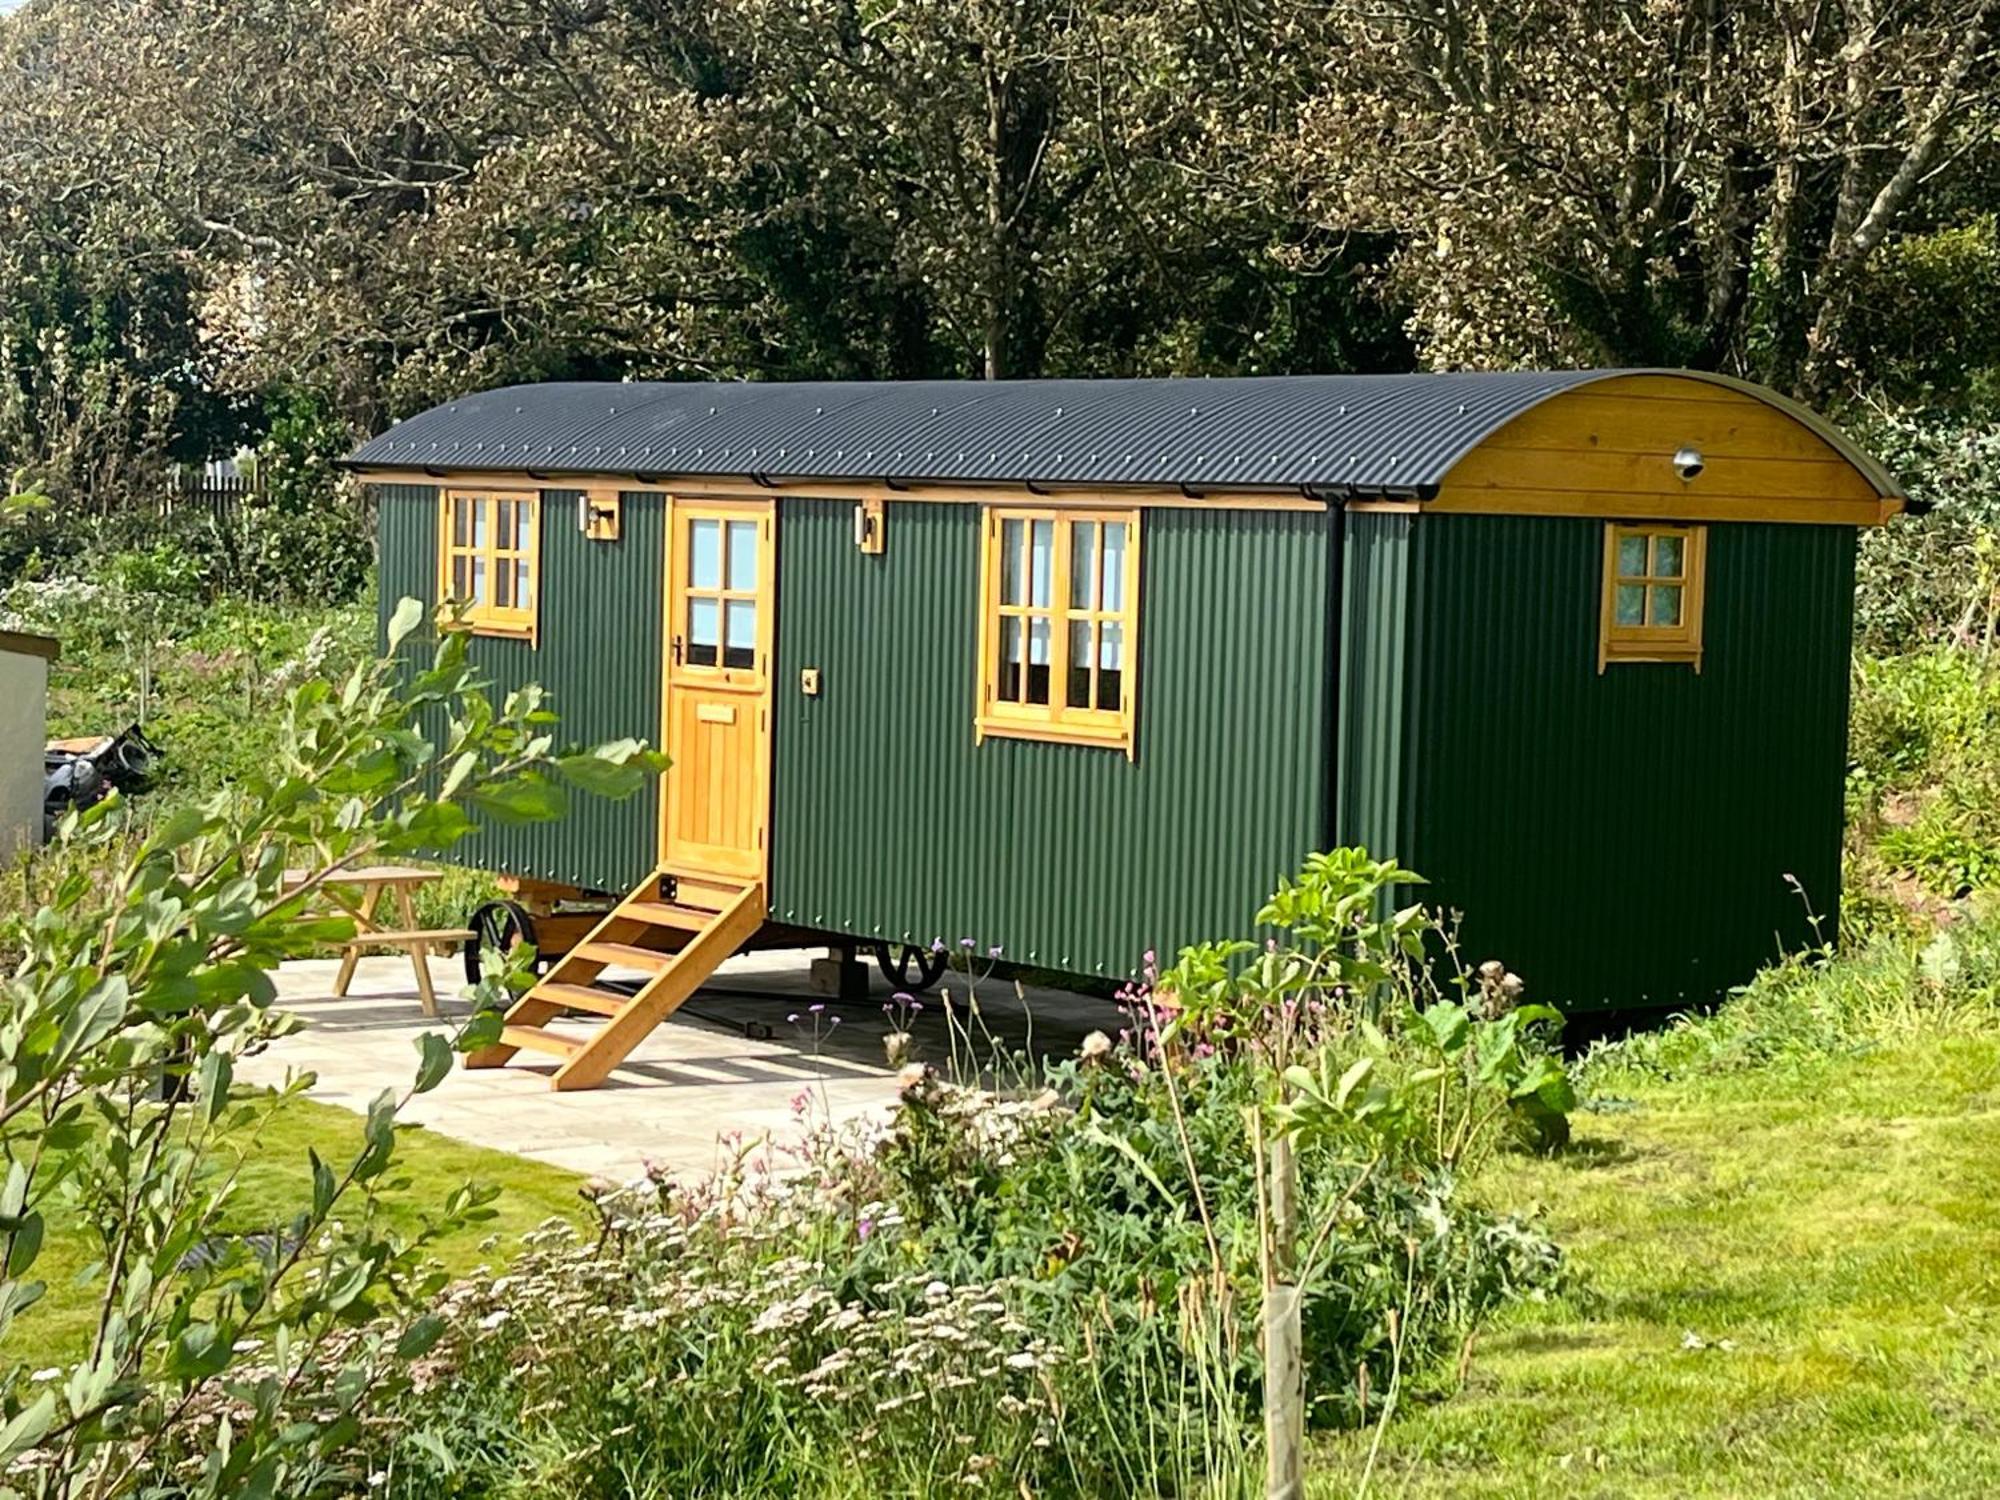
x=275, y=1183
x=1783, y=1281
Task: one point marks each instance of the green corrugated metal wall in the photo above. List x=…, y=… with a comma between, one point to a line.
x=1374, y=632
x=1623, y=839
x=598, y=656
x=890, y=821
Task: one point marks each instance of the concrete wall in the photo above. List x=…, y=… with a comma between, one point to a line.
x=24, y=683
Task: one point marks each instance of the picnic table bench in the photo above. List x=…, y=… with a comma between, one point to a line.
x=359, y=893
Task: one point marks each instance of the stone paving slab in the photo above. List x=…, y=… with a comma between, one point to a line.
x=731, y=1066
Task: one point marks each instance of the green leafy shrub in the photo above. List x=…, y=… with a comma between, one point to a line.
x=1925, y=579
x=305, y=534
x=1058, y=1288
x=1813, y=1011
x=1924, y=788
x=223, y=1363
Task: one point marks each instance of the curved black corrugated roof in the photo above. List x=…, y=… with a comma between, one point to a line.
x=1373, y=434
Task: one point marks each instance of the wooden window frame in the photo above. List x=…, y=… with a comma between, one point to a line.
x=519, y=621
x=1056, y=721
x=1654, y=643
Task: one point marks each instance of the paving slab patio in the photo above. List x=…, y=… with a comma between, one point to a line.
x=729, y=1072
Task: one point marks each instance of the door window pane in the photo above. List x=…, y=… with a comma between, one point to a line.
x=740, y=633
x=704, y=632
x=705, y=554
x=1082, y=568
x=1114, y=568
x=742, y=556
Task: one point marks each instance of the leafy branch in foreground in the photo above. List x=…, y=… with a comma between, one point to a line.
x=139, y=983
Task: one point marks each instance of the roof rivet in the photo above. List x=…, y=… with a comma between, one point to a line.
x=711, y=411
x=934, y=411
x=1058, y=411
x=819, y=410
x=1194, y=411
x=1343, y=409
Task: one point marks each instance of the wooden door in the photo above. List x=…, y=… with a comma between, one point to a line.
x=716, y=810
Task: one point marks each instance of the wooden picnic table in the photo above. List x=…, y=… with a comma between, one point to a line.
x=359, y=893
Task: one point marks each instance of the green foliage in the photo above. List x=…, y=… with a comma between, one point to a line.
x=1924, y=785
x=303, y=534
x=1052, y=1289
x=1812, y=1013
x=1930, y=325
x=1922, y=580
x=232, y=1362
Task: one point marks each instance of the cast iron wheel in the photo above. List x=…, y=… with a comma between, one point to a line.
x=497, y=924
x=908, y=967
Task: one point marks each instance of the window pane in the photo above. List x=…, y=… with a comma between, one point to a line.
x=1038, y=659
x=705, y=554
x=1077, y=695
x=1114, y=567
x=1666, y=604
x=1667, y=557
x=461, y=520
x=1631, y=557
x=743, y=555
x=1042, y=562
x=461, y=578
x=1110, y=663
x=503, y=583
x=481, y=513
x=503, y=524
x=1631, y=604
x=740, y=633
x=1082, y=568
x=1009, y=685
x=525, y=584
x=704, y=630
x=480, y=591
x=1013, y=563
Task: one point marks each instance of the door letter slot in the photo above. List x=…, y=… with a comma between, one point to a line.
x=715, y=713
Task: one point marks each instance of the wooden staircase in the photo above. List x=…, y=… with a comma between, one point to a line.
x=676, y=943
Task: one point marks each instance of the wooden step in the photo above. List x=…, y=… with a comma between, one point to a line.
x=535, y=1039
x=703, y=895
x=666, y=914
x=582, y=997
x=709, y=938
x=652, y=960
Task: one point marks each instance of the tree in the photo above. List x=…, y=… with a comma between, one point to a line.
x=1701, y=183
x=234, y=1364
